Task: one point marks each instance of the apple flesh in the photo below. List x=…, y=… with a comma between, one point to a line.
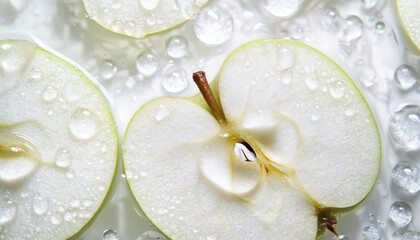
x=408, y=12
x=58, y=145
x=316, y=145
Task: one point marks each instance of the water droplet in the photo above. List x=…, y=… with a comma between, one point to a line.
x=70, y=175
x=380, y=27
x=149, y=4
x=39, y=204
x=110, y=235
x=336, y=89
x=75, y=203
x=177, y=47
x=35, y=74
x=56, y=219
x=244, y=152
x=102, y=187
x=8, y=211
x=351, y=29
x=49, y=93
x=174, y=79
x=367, y=76
x=162, y=113
x=68, y=216
x=103, y=147
x=83, y=123
x=286, y=58
x=143, y=173
x=404, y=126
x=332, y=19
x=369, y=3
x=282, y=8
x=371, y=232
x=396, y=236
x=406, y=176
x=312, y=83
x=411, y=235
x=341, y=237
x=406, y=76
x=400, y=213
x=350, y=112
x=151, y=235
x=213, y=26
x=148, y=63
x=108, y=69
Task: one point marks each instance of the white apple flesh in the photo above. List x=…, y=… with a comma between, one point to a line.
x=316, y=144
x=408, y=11
x=58, y=145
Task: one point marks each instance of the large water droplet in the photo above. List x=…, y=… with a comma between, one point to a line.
x=371, y=232
x=404, y=126
x=148, y=63
x=282, y=8
x=63, y=158
x=411, y=235
x=400, y=213
x=351, y=29
x=406, y=76
x=39, y=204
x=83, y=123
x=108, y=69
x=8, y=210
x=332, y=19
x=151, y=235
x=213, y=26
x=174, y=79
x=406, y=176
x=49, y=93
x=177, y=47
x=110, y=235
x=149, y=4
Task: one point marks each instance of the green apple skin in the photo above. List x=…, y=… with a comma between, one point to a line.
x=406, y=19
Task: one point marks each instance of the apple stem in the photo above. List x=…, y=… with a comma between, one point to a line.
x=204, y=87
x=329, y=224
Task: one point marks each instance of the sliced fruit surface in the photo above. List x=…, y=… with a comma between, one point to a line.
x=305, y=115
x=140, y=18
x=185, y=177
x=58, y=145
x=408, y=11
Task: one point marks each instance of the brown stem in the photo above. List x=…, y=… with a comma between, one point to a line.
x=329, y=224
x=202, y=84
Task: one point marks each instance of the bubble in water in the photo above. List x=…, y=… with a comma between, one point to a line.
x=8, y=211
x=110, y=235
x=406, y=76
x=282, y=8
x=380, y=27
x=177, y=47
x=151, y=235
x=63, y=158
x=411, y=235
x=49, y=93
x=341, y=237
x=371, y=232
x=400, y=213
x=369, y=3
x=149, y=4
x=351, y=29
x=406, y=176
x=174, y=79
x=367, y=76
x=83, y=123
x=108, y=69
x=147, y=63
x=404, y=126
x=39, y=204
x=213, y=26
x=332, y=19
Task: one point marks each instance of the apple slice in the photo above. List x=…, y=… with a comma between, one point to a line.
x=408, y=11
x=58, y=145
x=138, y=18
x=294, y=145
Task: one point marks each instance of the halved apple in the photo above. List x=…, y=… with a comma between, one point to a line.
x=144, y=17
x=58, y=145
x=408, y=11
x=294, y=144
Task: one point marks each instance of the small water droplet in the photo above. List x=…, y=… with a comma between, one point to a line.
x=75, y=203
x=286, y=58
x=341, y=237
x=83, y=123
x=332, y=19
x=149, y=4
x=103, y=147
x=39, y=204
x=337, y=89
x=110, y=235
x=400, y=213
x=367, y=76
x=148, y=62
x=406, y=176
x=406, y=76
x=56, y=219
x=63, y=158
x=282, y=8
x=102, y=187
x=151, y=235
x=371, y=232
x=369, y=3
x=312, y=83
x=108, y=69
x=350, y=112
x=177, y=47
x=380, y=27
x=143, y=173
x=351, y=29
x=35, y=74
x=8, y=211
x=174, y=79
x=213, y=25
x=162, y=113
x=404, y=126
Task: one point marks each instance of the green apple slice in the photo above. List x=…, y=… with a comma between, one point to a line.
x=408, y=11
x=312, y=149
x=140, y=18
x=58, y=145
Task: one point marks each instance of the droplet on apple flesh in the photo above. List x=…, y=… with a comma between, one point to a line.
x=313, y=160
x=54, y=125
